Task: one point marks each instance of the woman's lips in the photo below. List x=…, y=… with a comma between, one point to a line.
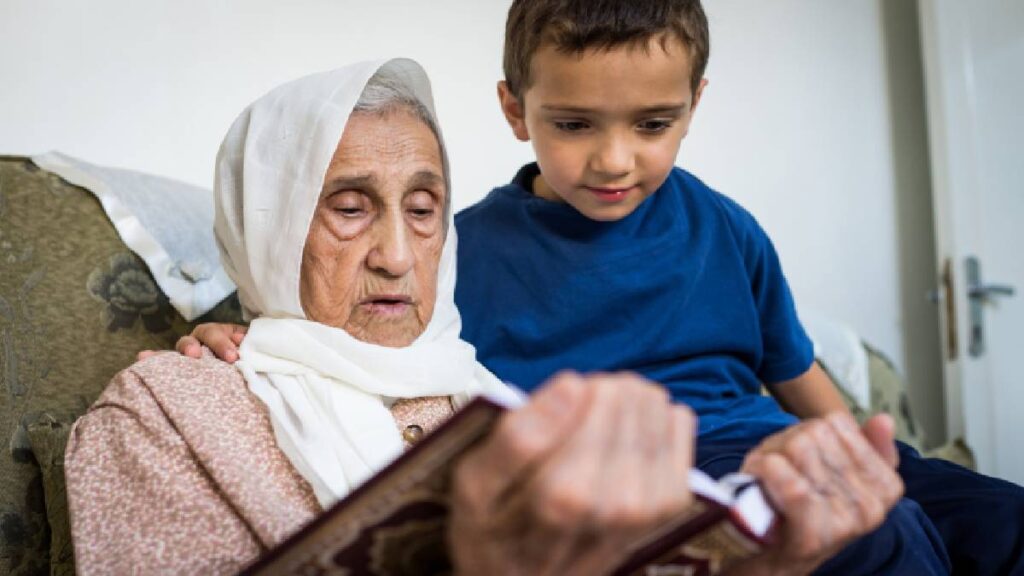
x=387, y=305
x=610, y=195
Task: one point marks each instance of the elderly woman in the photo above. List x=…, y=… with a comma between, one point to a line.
x=343, y=252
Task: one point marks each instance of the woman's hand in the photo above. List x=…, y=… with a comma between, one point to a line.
x=567, y=484
x=831, y=481
x=222, y=339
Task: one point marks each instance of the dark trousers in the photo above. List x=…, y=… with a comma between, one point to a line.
x=951, y=520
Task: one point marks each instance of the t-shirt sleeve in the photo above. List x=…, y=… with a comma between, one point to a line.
x=788, y=351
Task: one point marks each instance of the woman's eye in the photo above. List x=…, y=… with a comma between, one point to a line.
x=349, y=211
x=348, y=204
x=421, y=213
x=654, y=126
x=421, y=205
x=422, y=209
x=571, y=125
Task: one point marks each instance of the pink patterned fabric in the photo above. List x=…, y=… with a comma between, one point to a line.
x=426, y=413
x=175, y=470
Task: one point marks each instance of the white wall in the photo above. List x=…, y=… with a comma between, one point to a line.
x=796, y=123
x=154, y=85
x=814, y=120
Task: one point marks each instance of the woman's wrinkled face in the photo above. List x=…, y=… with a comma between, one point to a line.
x=371, y=257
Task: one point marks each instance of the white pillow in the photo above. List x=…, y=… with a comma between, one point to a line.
x=840, y=349
x=169, y=224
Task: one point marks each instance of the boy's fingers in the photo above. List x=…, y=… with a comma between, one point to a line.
x=217, y=337
x=238, y=333
x=189, y=346
x=226, y=352
x=880, y=433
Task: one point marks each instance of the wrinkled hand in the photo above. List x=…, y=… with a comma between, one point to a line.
x=831, y=482
x=222, y=339
x=566, y=484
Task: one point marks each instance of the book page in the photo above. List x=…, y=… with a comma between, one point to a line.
x=740, y=493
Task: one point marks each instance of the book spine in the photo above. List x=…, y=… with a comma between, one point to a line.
x=705, y=544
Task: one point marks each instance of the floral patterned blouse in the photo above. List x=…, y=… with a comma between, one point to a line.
x=175, y=470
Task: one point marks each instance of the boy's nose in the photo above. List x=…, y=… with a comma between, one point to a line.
x=391, y=254
x=613, y=158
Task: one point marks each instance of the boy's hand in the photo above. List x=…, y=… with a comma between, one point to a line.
x=831, y=482
x=566, y=484
x=222, y=339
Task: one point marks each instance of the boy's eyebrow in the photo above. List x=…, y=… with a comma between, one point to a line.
x=667, y=108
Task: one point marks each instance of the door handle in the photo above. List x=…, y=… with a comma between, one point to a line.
x=979, y=293
x=985, y=291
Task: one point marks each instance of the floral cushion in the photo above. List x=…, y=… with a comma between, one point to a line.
x=889, y=395
x=76, y=306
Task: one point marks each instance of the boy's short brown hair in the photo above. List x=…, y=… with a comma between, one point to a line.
x=574, y=26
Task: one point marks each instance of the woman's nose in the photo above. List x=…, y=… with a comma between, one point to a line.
x=392, y=254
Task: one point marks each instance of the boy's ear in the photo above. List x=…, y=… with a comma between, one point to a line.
x=698, y=94
x=512, y=108
x=693, y=105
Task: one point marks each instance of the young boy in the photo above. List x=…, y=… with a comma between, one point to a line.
x=603, y=257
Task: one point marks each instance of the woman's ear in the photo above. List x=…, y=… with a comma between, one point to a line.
x=512, y=108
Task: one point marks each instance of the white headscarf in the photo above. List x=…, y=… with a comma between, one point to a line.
x=326, y=391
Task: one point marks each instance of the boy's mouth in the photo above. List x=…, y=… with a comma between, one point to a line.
x=610, y=195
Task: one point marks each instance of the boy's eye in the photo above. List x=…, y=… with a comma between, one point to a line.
x=571, y=125
x=654, y=126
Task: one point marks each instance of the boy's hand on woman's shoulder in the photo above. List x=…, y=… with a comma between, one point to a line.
x=222, y=339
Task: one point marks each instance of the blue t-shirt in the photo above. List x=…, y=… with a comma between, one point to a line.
x=687, y=290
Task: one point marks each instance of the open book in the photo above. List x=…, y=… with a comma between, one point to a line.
x=395, y=523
